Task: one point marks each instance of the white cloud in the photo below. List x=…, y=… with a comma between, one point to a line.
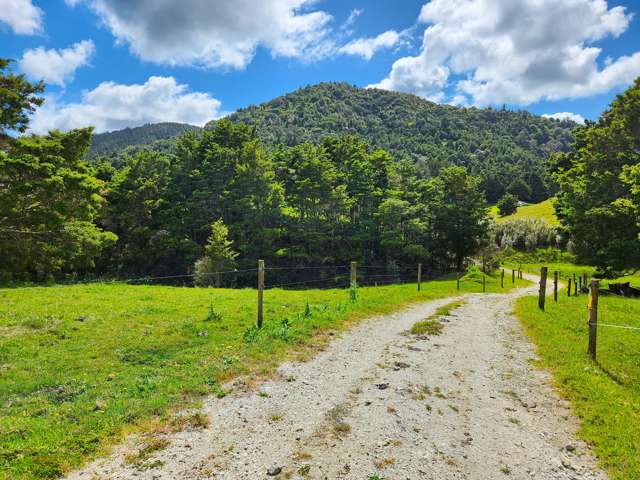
x=367, y=47
x=56, y=66
x=565, y=116
x=215, y=33
x=112, y=106
x=514, y=51
x=22, y=16
x=351, y=19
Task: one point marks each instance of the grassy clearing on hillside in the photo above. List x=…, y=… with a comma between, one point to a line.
x=543, y=210
x=82, y=365
x=605, y=395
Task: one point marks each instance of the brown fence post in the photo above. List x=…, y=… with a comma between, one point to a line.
x=569, y=287
x=575, y=285
x=555, y=286
x=542, y=295
x=419, y=275
x=353, y=279
x=260, y=291
x=502, y=279
x=458, y=280
x=593, y=316
x=513, y=276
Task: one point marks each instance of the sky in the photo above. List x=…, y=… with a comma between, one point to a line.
x=122, y=63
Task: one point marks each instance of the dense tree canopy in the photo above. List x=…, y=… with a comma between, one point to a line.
x=18, y=98
x=320, y=204
x=507, y=150
x=599, y=179
x=49, y=199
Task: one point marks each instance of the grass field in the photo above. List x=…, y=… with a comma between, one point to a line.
x=566, y=270
x=80, y=366
x=605, y=395
x=543, y=210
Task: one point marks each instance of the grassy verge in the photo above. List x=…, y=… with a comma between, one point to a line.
x=567, y=270
x=432, y=325
x=80, y=366
x=606, y=394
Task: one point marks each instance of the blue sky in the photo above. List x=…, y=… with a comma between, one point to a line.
x=116, y=63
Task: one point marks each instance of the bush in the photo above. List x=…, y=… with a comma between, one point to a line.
x=507, y=205
x=526, y=235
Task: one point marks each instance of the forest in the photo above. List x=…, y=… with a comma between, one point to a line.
x=225, y=196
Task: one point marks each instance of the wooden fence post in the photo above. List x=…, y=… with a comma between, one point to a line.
x=593, y=317
x=575, y=285
x=542, y=295
x=555, y=286
x=419, y=275
x=513, y=276
x=502, y=279
x=458, y=280
x=569, y=287
x=260, y=291
x=353, y=280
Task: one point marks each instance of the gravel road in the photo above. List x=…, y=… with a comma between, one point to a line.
x=380, y=403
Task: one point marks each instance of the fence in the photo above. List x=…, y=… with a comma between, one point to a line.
x=578, y=285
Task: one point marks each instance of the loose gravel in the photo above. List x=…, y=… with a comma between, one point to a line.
x=380, y=403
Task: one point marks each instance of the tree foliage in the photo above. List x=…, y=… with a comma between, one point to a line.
x=598, y=203
x=320, y=204
x=49, y=200
x=507, y=205
x=18, y=98
x=507, y=150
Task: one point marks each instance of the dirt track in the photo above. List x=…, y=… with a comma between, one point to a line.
x=467, y=404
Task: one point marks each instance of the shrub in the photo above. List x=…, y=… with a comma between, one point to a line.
x=507, y=205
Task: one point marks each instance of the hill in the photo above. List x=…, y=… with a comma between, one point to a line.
x=115, y=142
x=507, y=148
x=541, y=211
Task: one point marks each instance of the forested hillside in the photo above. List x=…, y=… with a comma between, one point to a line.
x=507, y=149
x=111, y=143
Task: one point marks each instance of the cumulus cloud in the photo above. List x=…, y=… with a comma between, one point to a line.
x=514, y=51
x=565, y=116
x=367, y=47
x=112, y=106
x=56, y=66
x=215, y=33
x=22, y=16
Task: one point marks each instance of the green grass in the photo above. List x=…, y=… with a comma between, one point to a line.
x=80, y=366
x=543, y=210
x=566, y=270
x=432, y=325
x=605, y=395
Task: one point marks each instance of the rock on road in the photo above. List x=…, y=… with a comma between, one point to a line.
x=379, y=403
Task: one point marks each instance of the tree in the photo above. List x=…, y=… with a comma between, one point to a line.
x=18, y=98
x=507, y=205
x=459, y=217
x=218, y=255
x=49, y=200
x=598, y=203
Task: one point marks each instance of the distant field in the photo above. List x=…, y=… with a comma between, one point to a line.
x=82, y=365
x=543, y=210
x=606, y=394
